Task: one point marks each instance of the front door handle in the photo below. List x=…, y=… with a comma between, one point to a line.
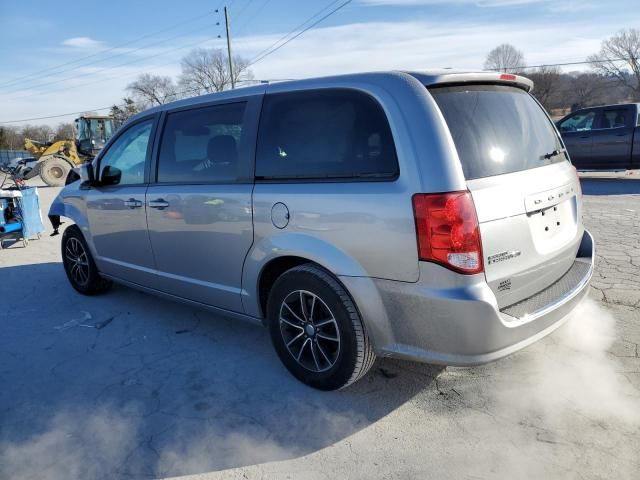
x=133, y=203
x=160, y=203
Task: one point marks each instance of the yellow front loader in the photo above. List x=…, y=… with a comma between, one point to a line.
x=56, y=159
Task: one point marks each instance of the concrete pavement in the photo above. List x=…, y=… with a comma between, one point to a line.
x=126, y=385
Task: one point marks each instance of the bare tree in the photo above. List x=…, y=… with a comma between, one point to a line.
x=64, y=131
x=39, y=133
x=505, y=58
x=121, y=113
x=589, y=89
x=151, y=90
x=11, y=138
x=207, y=71
x=547, y=82
x=619, y=57
x=5, y=138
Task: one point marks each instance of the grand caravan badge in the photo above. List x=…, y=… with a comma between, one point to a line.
x=502, y=256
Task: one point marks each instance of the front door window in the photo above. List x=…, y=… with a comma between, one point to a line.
x=123, y=163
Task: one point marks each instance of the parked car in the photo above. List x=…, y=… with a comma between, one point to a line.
x=603, y=138
x=431, y=217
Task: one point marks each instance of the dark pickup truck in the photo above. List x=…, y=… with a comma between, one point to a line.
x=603, y=138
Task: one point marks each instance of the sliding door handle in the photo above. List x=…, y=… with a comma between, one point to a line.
x=159, y=203
x=133, y=203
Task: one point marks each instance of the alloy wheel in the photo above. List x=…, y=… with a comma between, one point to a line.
x=309, y=330
x=77, y=261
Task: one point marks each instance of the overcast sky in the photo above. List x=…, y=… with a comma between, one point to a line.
x=43, y=43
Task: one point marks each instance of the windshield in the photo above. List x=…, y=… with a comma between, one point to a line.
x=101, y=130
x=497, y=129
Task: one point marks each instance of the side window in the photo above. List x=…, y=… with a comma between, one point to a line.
x=201, y=145
x=580, y=122
x=614, y=118
x=123, y=163
x=324, y=134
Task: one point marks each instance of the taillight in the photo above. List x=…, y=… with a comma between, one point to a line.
x=447, y=230
x=507, y=76
x=578, y=185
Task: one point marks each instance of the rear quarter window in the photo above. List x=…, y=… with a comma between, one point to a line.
x=497, y=129
x=324, y=134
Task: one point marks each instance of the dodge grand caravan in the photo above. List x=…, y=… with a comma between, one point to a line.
x=426, y=216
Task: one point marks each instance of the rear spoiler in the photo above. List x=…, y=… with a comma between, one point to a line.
x=445, y=78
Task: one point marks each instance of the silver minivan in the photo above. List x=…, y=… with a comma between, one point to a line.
x=428, y=216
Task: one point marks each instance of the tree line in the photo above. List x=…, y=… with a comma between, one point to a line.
x=12, y=138
x=613, y=77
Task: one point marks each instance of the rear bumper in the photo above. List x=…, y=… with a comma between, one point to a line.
x=453, y=319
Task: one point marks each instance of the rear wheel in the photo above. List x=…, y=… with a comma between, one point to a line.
x=78, y=264
x=54, y=171
x=316, y=329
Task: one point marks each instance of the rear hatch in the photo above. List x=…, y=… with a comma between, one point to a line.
x=525, y=191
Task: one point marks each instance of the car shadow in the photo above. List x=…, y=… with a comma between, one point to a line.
x=127, y=384
x=610, y=186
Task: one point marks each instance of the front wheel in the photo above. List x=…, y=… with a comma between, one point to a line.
x=316, y=329
x=78, y=264
x=54, y=171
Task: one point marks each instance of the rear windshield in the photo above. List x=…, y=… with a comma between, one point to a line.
x=497, y=129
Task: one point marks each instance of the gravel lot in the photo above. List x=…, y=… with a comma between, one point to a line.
x=127, y=385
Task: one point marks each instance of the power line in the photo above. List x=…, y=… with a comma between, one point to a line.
x=113, y=77
x=49, y=70
x=113, y=66
x=339, y=7
x=262, y=55
x=288, y=37
x=567, y=64
x=64, y=79
x=176, y=94
x=57, y=116
x=258, y=58
x=243, y=9
x=83, y=111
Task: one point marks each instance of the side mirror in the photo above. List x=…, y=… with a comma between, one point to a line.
x=110, y=175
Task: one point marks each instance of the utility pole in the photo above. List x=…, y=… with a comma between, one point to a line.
x=226, y=21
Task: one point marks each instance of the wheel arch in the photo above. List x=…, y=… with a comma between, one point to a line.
x=71, y=204
x=270, y=273
x=361, y=289
x=272, y=257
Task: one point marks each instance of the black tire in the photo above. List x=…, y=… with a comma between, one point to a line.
x=76, y=257
x=352, y=357
x=54, y=171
